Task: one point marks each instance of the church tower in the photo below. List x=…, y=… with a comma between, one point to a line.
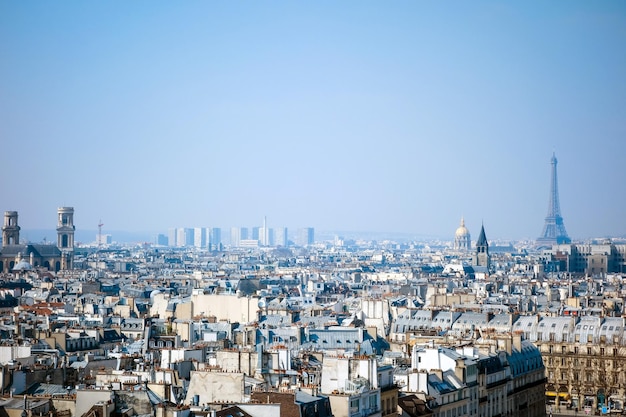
x=482, y=250
x=65, y=236
x=10, y=230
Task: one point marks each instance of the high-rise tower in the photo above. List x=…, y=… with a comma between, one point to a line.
x=554, y=229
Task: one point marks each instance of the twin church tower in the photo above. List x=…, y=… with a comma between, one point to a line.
x=24, y=256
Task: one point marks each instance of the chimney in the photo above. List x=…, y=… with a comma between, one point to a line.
x=517, y=341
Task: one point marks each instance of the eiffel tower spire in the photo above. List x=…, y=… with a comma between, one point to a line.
x=554, y=229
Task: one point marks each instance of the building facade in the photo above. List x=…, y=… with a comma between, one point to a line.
x=47, y=256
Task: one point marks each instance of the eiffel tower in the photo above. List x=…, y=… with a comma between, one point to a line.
x=554, y=229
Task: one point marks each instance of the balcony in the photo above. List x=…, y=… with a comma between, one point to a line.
x=365, y=412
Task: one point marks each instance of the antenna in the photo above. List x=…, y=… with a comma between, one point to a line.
x=100, y=224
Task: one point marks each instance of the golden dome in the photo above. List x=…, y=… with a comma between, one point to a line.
x=462, y=230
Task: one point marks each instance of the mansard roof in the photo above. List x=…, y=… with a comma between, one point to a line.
x=557, y=329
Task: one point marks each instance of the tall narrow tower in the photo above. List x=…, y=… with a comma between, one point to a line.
x=10, y=230
x=65, y=236
x=554, y=229
x=481, y=258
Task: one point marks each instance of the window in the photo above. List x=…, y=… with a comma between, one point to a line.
x=373, y=402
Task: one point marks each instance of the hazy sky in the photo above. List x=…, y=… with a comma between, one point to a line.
x=351, y=115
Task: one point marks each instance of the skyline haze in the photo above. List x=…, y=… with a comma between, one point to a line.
x=360, y=116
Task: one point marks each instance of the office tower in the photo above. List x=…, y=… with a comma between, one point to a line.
x=161, y=240
x=215, y=238
x=255, y=233
x=103, y=239
x=235, y=236
x=172, y=236
x=305, y=236
x=266, y=235
x=189, y=236
x=553, y=229
x=199, y=237
x=281, y=237
x=180, y=237
x=184, y=237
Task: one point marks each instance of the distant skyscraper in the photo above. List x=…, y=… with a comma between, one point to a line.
x=172, y=236
x=161, y=240
x=554, y=229
x=306, y=236
x=103, y=239
x=237, y=234
x=180, y=237
x=184, y=237
x=280, y=236
x=215, y=238
x=264, y=234
x=199, y=237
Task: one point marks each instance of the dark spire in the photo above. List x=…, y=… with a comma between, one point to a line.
x=482, y=239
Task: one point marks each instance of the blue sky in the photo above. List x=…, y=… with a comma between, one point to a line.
x=352, y=115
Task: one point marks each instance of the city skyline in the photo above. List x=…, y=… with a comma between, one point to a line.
x=358, y=116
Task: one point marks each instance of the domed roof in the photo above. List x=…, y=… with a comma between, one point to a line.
x=462, y=230
x=23, y=266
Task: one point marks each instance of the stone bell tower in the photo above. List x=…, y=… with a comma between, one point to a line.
x=10, y=230
x=65, y=236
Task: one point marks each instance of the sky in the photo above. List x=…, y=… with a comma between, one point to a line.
x=398, y=116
